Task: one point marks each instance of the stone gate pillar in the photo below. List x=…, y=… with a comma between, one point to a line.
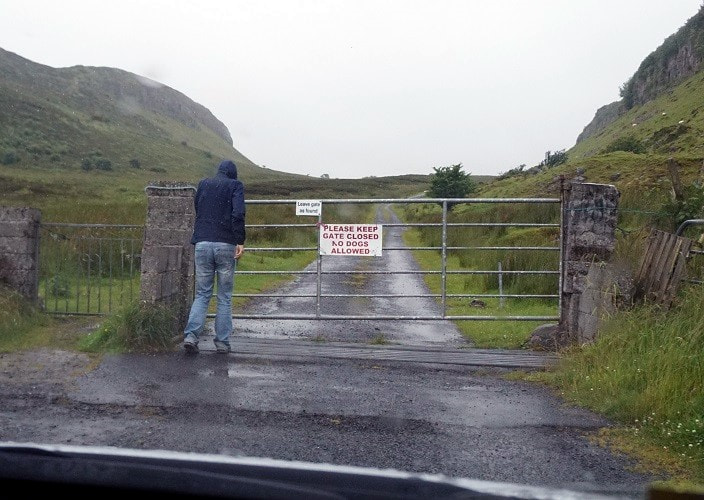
x=167, y=254
x=19, y=250
x=588, y=232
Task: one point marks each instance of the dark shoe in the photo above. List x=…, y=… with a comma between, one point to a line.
x=222, y=347
x=190, y=345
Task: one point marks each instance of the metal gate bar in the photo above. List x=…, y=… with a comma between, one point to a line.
x=97, y=253
x=444, y=273
x=89, y=269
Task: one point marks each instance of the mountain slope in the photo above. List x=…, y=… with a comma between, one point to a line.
x=629, y=142
x=82, y=119
x=678, y=58
x=632, y=152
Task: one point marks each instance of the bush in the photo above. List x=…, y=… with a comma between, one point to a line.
x=135, y=163
x=451, y=182
x=103, y=164
x=553, y=158
x=629, y=144
x=86, y=164
x=691, y=206
x=513, y=172
x=9, y=158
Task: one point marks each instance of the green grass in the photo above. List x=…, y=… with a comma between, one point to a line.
x=646, y=370
x=137, y=327
x=489, y=333
x=103, y=296
x=20, y=322
x=659, y=133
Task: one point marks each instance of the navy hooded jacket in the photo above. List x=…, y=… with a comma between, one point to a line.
x=220, y=209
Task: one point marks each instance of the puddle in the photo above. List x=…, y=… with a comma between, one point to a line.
x=233, y=371
x=479, y=388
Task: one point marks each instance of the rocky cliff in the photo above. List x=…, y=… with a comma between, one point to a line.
x=679, y=57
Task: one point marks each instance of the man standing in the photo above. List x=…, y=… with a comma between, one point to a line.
x=218, y=236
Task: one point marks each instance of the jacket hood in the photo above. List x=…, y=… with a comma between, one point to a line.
x=228, y=168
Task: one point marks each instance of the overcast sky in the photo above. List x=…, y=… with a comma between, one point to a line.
x=354, y=88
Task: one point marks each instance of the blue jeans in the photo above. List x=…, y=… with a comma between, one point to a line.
x=213, y=258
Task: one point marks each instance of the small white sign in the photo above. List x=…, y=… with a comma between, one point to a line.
x=308, y=207
x=351, y=239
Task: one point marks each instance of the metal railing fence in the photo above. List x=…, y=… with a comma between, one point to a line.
x=89, y=269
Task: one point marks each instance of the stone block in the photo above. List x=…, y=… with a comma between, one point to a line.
x=155, y=236
x=150, y=287
x=170, y=284
x=27, y=214
x=18, y=245
x=158, y=189
x=169, y=219
x=19, y=261
x=17, y=229
x=169, y=203
x=587, y=328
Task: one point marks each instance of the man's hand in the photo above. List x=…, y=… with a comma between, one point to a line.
x=239, y=250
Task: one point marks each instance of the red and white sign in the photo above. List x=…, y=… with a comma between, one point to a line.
x=351, y=239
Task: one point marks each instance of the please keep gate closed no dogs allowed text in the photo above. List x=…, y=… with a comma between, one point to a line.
x=351, y=239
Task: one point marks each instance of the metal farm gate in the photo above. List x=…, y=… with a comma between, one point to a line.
x=94, y=268
x=323, y=271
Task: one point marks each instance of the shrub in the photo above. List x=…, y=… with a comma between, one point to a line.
x=451, y=182
x=513, y=172
x=86, y=164
x=135, y=163
x=103, y=164
x=553, y=158
x=9, y=158
x=691, y=206
x=629, y=143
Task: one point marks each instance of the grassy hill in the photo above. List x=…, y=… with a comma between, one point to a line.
x=81, y=143
x=68, y=118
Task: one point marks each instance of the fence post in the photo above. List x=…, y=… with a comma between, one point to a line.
x=167, y=267
x=502, y=300
x=444, y=259
x=589, y=224
x=19, y=250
